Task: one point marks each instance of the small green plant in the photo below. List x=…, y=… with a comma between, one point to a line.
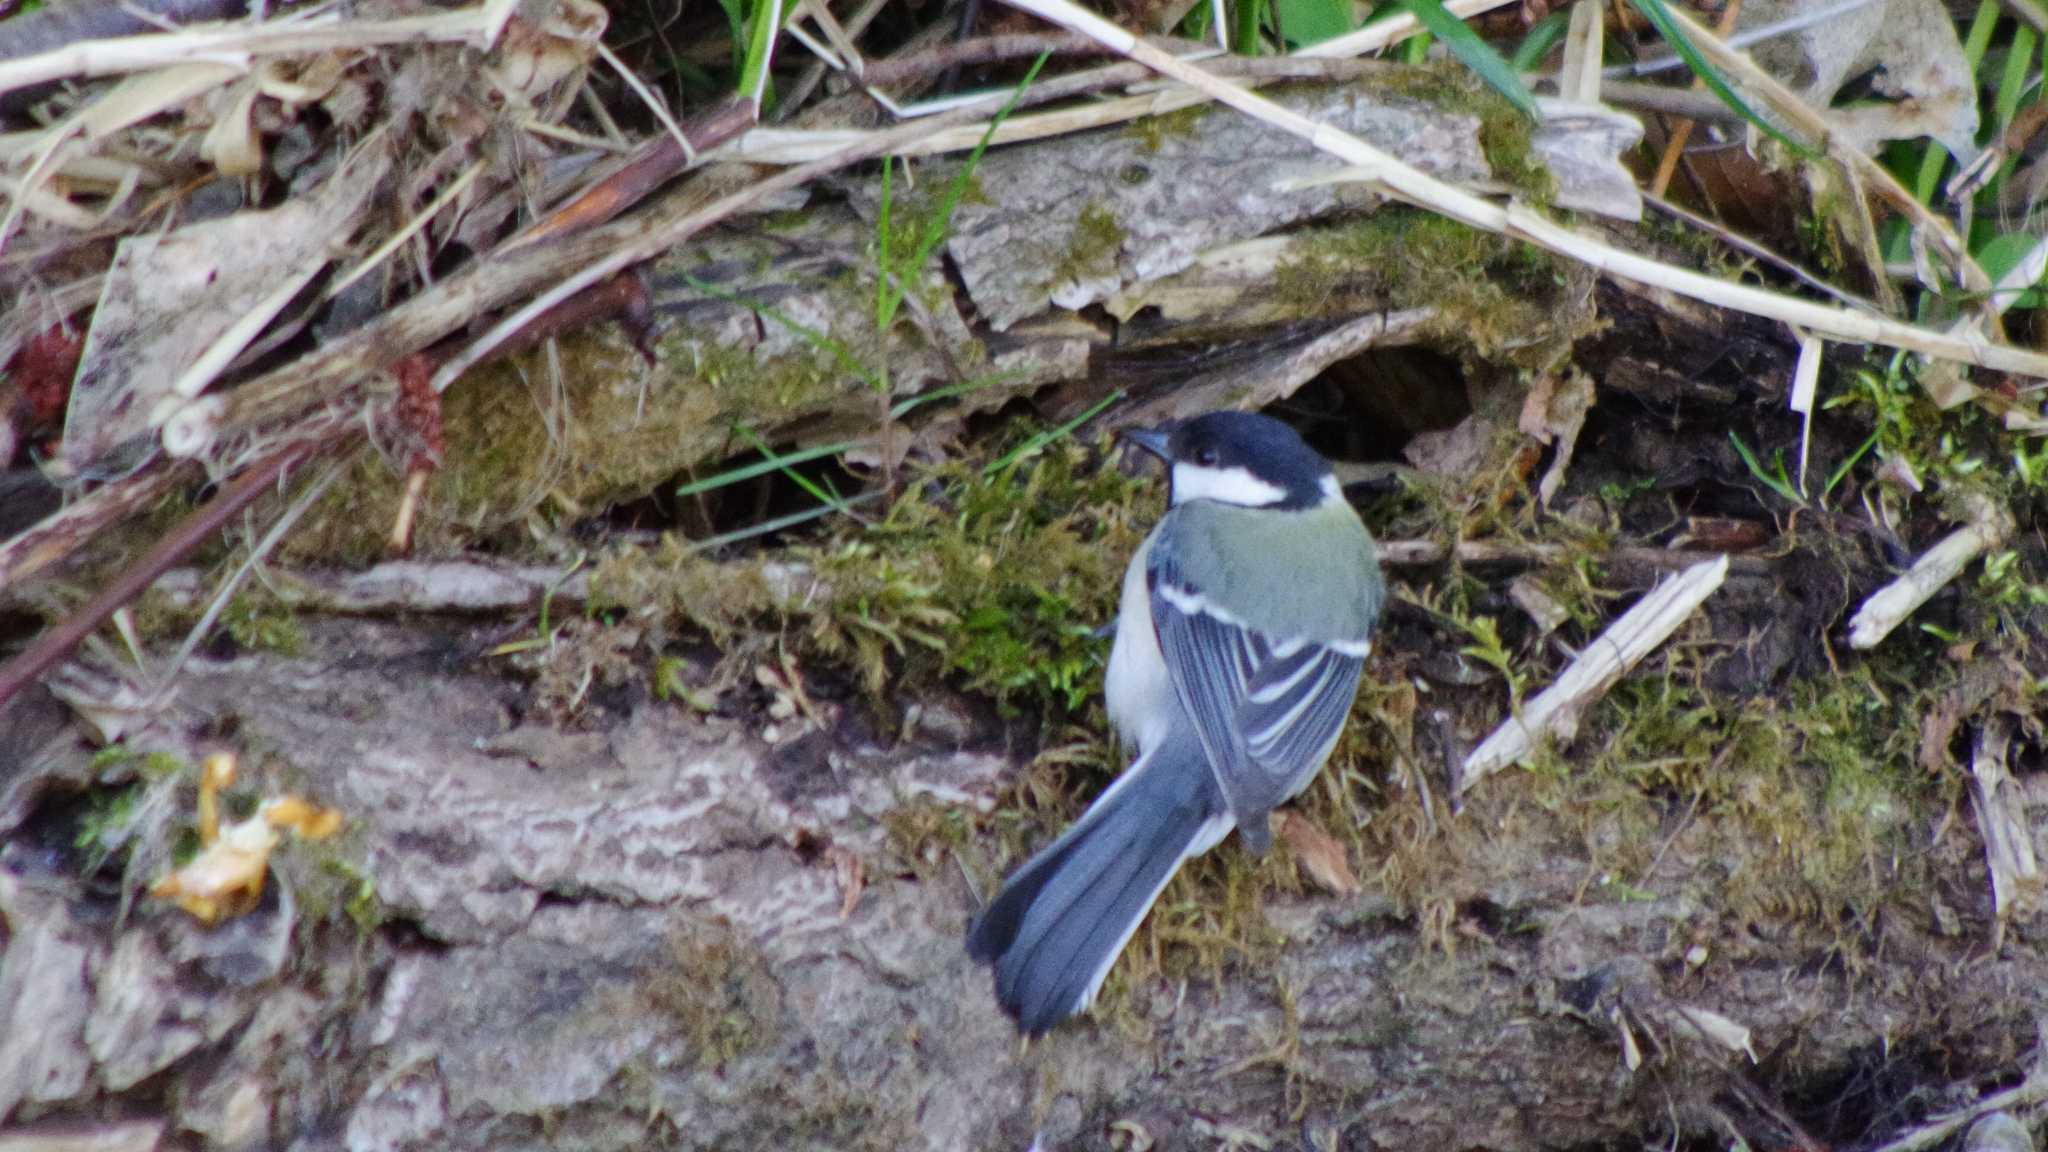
x=2003, y=584
x=671, y=683
x=2030, y=465
x=544, y=631
x=1488, y=650
x=1617, y=493
x=108, y=827
x=1776, y=478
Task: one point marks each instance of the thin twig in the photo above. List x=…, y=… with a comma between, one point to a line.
x=1814, y=124
x=929, y=62
x=653, y=102
x=57, y=643
x=2027, y=1093
x=584, y=260
x=1681, y=129
x=814, y=73
x=651, y=165
x=1751, y=248
x=263, y=548
x=1889, y=606
x=56, y=536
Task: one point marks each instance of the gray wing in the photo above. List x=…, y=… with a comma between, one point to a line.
x=1266, y=710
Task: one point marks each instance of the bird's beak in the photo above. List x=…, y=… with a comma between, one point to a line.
x=1152, y=440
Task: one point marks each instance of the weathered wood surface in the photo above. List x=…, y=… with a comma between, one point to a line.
x=631, y=936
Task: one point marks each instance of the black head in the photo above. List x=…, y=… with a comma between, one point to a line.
x=1239, y=458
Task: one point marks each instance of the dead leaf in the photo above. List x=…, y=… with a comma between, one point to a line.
x=1714, y=1028
x=1318, y=854
x=1461, y=450
x=1908, y=48
x=170, y=297
x=852, y=872
x=1528, y=594
x=233, y=144
x=1554, y=412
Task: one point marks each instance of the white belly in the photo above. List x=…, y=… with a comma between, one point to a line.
x=1139, y=696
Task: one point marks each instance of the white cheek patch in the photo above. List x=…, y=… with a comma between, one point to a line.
x=1223, y=485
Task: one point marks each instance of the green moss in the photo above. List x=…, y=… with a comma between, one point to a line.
x=995, y=585
x=1504, y=133
x=1093, y=247
x=1810, y=798
x=258, y=620
x=924, y=835
x=1492, y=291
x=615, y=431
x=717, y=992
x=1154, y=131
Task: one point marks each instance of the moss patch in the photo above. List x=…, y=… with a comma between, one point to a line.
x=995, y=584
x=717, y=992
x=1154, y=131
x=1504, y=133
x=613, y=431
x=1492, y=291
x=1093, y=247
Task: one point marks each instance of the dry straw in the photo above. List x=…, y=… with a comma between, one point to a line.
x=1390, y=175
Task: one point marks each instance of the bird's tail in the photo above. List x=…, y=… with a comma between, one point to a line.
x=1057, y=926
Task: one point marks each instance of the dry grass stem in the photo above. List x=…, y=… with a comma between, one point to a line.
x=238, y=45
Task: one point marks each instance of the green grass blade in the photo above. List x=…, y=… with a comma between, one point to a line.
x=2012, y=82
x=1305, y=22
x=1778, y=483
x=1247, y=18
x=1842, y=470
x=763, y=24
x=777, y=524
x=786, y=466
x=1476, y=54
x=904, y=407
x=942, y=220
x=886, y=296
x=736, y=20
x=1542, y=36
x=1660, y=16
x=889, y=290
x=1042, y=440
x=839, y=352
x=763, y=467
x=1934, y=159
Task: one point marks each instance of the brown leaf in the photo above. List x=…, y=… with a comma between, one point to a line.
x=852, y=872
x=1318, y=854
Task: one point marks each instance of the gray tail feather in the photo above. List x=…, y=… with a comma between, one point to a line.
x=1058, y=923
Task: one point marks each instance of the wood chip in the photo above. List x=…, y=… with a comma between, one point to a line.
x=2000, y=806
x=1555, y=711
x=1889, y=606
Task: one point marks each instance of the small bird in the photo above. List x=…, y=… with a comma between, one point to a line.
x=1247, y=614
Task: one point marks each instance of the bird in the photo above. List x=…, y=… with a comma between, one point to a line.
x=1246, y=617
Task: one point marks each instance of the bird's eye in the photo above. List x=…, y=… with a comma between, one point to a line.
x=1206, y=457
